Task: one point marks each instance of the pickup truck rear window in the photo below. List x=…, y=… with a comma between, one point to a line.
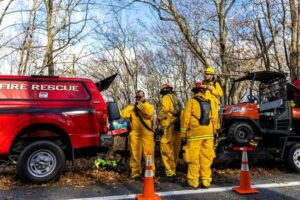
x=43, y=90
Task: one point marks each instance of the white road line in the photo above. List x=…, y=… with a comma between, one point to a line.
x=199, y=191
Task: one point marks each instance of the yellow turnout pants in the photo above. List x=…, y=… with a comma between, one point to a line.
x=199, y=155
x=170, y=147
x=140, y=144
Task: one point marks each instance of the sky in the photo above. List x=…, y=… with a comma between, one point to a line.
x=136, y=15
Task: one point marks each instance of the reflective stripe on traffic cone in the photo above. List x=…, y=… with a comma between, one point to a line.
x=148, y=191
x=245, y=179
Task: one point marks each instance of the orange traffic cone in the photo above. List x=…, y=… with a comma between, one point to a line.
x=148, y=191
x=245, y=179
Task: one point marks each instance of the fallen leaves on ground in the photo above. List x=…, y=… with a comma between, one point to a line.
x=84, y=173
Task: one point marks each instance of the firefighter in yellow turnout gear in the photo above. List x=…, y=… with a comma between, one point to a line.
x=168, y=117
x=141, y=137
x=214, y=92
x=197, y=131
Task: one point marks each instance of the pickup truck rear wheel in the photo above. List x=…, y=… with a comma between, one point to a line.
x=294, y=157
x=240, y=133
x=40, y=162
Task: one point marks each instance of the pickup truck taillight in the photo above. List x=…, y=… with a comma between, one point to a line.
x=102, y=120
x=105, y=123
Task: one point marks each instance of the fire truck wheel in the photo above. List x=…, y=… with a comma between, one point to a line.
x=240, y=132
x=40, y=162
x=294, y=157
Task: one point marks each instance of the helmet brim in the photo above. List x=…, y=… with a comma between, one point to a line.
x=198, y=89
x=169, y=87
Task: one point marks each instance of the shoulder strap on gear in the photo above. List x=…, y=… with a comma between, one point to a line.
x=176, y=104
x=138, y=114
x=201, y=99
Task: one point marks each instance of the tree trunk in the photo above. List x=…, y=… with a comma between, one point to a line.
x=297, y=68
x=4, y=12
x=48, y=59
x=224, y=57
x=27, y=42
x=222, y=12
x=274, y=38
x=286, y=54
x=264, y=48
x=293, y=51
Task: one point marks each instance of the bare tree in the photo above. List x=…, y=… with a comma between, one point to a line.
x=260, y=37
x=294, y=52
x=5, y=10
x=167, y=12
x=273, y=31
x=26, y=46
x=223, y=8
x=62, y=30
x=121, y=53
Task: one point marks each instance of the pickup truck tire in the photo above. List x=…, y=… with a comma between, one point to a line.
x=294, y=157
x=240, y=132
x=40, y=162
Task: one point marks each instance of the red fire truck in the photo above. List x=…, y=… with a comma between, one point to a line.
x=45, y=121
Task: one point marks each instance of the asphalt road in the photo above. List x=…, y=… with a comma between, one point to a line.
x=108, y=191
x=274, y=194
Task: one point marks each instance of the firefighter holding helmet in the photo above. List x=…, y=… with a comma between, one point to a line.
x=214, y=92
x=197, y=134
x=141, y=137
x=168, y=117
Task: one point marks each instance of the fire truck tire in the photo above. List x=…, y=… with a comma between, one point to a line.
x=40, y=162
x=240, y=132
x=294, y=157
